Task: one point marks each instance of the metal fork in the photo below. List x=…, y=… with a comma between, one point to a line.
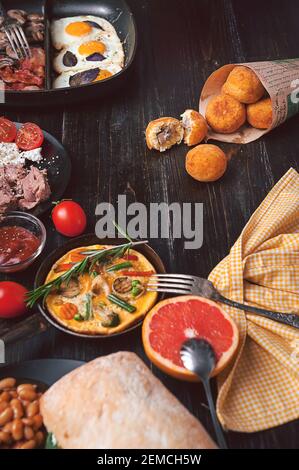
x=185, y=284
x=16, y=36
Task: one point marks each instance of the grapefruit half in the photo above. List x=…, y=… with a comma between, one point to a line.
x=173, y=321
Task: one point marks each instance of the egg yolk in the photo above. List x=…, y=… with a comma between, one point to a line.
x=78, y=28
x=92, y=47
x=102, y=75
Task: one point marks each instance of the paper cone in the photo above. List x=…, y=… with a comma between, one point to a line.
x=280, y=79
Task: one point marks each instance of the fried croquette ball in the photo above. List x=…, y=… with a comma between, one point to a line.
x=243, y=85
x=225, y=114
x=206, y=162
x=195, y=127
x=163, y=133
x=259, y=114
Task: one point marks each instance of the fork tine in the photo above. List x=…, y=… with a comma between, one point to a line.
x=187, y=282
x=183, y=276
x=20, y=41
x=168, y=284
x=25, y=42
x=11, y=42
x=173, y=291
x=17, y=43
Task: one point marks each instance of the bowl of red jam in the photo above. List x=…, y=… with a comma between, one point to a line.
x=22, y=239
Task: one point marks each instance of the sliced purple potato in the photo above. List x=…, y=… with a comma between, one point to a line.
x=94, y=24
x=95, y=57
x=85, y=77
x=69, y=59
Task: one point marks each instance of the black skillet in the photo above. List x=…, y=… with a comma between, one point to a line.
x=115, y=11
x=87, y=240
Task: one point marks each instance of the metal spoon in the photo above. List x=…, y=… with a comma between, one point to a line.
x=198, y=356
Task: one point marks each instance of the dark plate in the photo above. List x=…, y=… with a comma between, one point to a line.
x=43, y=372
x=115, y=11
x=85, y=240
x=58, y=170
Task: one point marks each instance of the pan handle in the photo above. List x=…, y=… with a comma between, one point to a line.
x=25, y=329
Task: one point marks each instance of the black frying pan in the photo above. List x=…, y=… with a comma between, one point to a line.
x=115, y=11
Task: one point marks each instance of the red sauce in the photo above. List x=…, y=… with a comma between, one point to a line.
x=17, y=244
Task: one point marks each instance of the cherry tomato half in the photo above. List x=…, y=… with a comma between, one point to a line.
x=8, y=130
x=12, y=299
x=69, y=218
x=29, y=136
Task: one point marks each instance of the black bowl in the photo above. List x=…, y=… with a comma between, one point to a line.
x=86, y=240
x=115, y=11
x=42, y=372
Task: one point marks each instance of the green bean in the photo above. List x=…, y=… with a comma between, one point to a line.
x=121, y=303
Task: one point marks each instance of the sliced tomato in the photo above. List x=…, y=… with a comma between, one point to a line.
x=63, y=267
x=76, y=257
x=137, y=273
x=8, y=130
x=130, y=257
x=29, y=136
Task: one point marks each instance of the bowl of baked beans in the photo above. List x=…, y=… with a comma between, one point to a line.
x=21, y=424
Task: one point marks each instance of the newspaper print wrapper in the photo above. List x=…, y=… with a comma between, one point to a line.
x=280, y=79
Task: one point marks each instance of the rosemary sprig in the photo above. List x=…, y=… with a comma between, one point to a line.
x=92, y=257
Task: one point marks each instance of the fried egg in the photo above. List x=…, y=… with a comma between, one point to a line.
x=84, y=77
x=66, y=31
x=90, y=54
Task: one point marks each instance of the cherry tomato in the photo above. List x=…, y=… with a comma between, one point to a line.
x=12, y=299
x=29, y=136
x=8, y=130
x=69, y=218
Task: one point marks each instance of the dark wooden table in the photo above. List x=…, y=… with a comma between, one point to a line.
x=180, y=43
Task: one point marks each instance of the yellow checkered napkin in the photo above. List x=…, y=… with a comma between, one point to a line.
x=261, y=388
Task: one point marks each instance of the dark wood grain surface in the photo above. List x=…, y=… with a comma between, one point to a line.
x=180, y=43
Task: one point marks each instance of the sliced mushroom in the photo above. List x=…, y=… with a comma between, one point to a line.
x=18, y=15
x=110, y=319
x=71, y=289
x=35, y=17
x=3, y=40
x=100, y=286
x=6, y=62
x=35, y=32
x=122, y=286
x=11, y=53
